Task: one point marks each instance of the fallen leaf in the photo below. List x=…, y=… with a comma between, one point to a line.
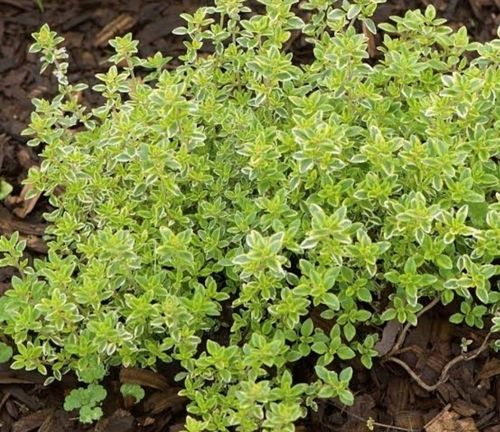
x=389, y=335
x=397, y=395
x=32, y=402
x=144, y=378
x=36, y=244
x=12, y=409
x=464, y=408
x=161, y=401
x=450, y=421
x=4, y=139
x=9, y=224
x=372, y=45
x=9, y=376
x=490, y=368
x=411, y=420
x=25, y=156
x=147, y=421
x=28, y=204
x=31, y=421
x=118, y=25
x=51, y=423
x=13, y=380
x=120, y=421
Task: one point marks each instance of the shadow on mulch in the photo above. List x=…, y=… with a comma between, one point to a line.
x=466, y=397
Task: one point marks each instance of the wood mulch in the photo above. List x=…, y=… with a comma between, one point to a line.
x=422, y=382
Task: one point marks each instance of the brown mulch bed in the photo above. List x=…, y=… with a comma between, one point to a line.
x=465, y=398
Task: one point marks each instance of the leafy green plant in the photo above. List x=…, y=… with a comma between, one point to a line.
x=86, y=401
x=133, y=390
x=244, y=193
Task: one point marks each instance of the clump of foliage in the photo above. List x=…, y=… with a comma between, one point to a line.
x=133, y=390
x=239, y=192
x=87, y=401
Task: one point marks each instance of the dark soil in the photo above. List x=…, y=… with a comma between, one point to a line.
x=465, y=397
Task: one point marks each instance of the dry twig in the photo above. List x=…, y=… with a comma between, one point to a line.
x=370, y=420
x=444, y=373
x=402, y=336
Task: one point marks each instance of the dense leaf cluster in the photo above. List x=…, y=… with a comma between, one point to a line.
x=242, y=193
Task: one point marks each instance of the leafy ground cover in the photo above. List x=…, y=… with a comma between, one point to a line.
x=322, y=219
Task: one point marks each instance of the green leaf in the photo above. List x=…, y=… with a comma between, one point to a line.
x=388, y=315
x=444, y=262
x=332, y=301
x=322, y=373
x=345, y=353
x=370, y=25
x=456, y=318
x=430, y=12
x=346, y=375
x=392, y=277
x=483, y=295
x=353, y=11
x=346, y=397
x=410, y=265
x=319, y=348
x=5, y=352
x=349, y=331
x=5, y=189
x=307, y=327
